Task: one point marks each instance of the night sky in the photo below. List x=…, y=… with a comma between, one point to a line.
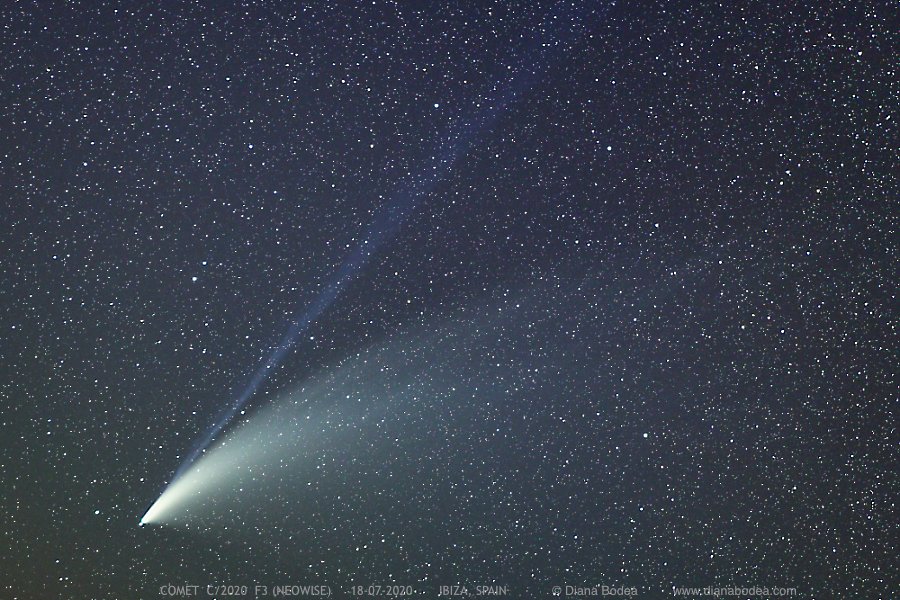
x=561, y=293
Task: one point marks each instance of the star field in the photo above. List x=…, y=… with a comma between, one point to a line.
x=637, y=325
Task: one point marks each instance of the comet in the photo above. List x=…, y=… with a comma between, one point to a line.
x=538, y=54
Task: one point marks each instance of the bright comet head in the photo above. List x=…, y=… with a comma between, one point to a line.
x=148, y=515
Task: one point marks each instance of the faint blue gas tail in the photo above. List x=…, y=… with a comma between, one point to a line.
x=542, y=51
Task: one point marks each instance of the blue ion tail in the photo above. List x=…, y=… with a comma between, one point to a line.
x=536, y=59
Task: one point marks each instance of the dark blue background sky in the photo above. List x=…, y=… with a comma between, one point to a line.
x=694, y=203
